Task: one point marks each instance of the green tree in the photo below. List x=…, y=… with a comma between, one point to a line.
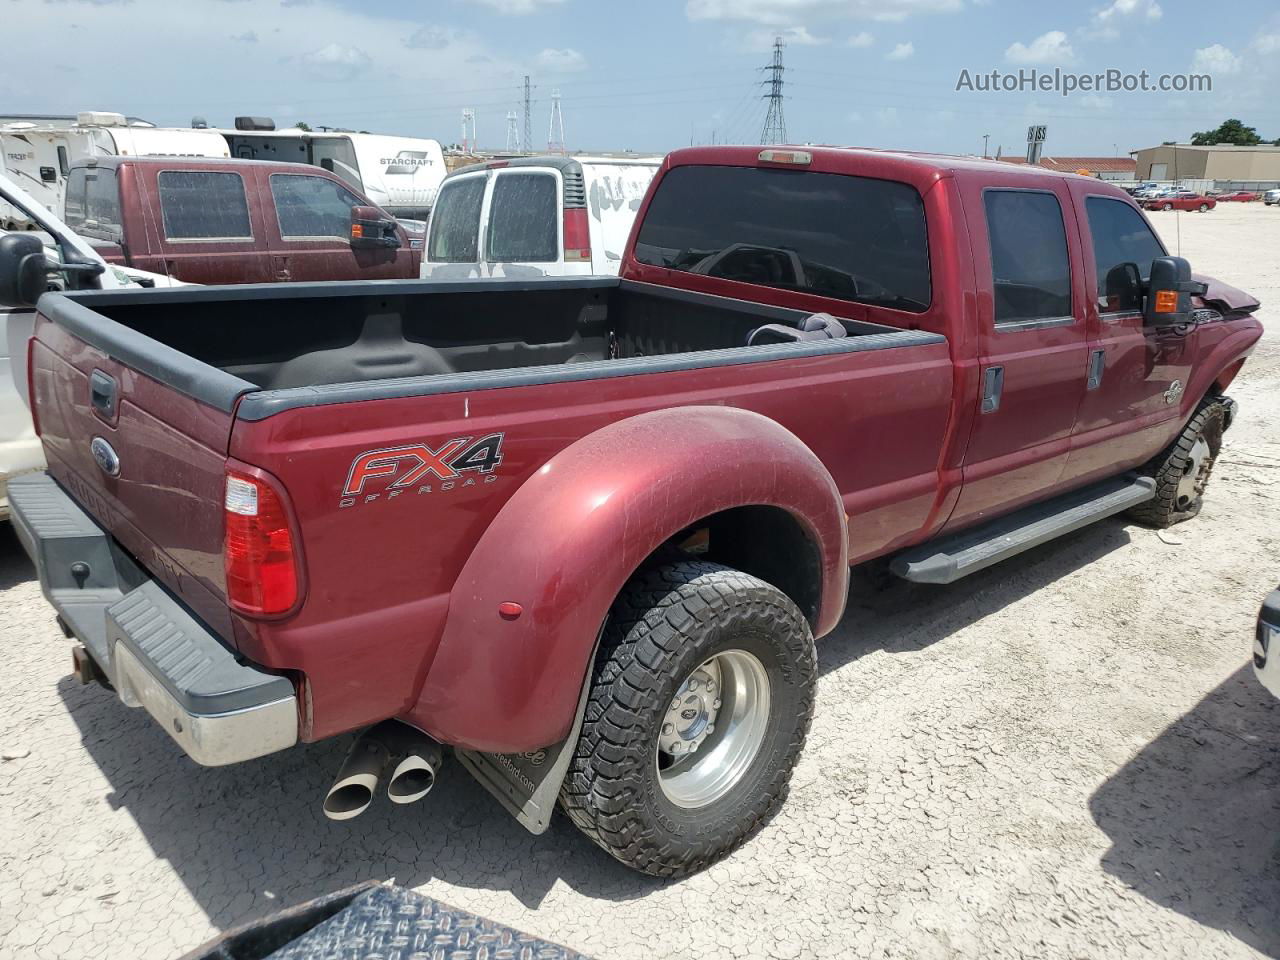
x=302, y=125
x=1231, y=131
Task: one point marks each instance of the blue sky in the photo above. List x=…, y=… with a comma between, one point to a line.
x=651, y=76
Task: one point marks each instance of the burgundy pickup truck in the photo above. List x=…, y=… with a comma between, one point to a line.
x=584, y=531
x=202, y=220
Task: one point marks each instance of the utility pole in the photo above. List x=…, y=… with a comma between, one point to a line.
x=513, y=133
x=555, y=130
x=468, y=130
x=985, y=138
x=528, y=119
x=775, y=125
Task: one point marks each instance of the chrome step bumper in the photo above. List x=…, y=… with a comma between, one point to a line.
x=156, y=654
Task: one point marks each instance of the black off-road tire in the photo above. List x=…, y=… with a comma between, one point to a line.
x=668, y=621
x=1164, y=510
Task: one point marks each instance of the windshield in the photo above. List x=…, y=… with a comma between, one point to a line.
x=850, y=238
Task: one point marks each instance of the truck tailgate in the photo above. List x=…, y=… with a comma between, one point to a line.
x=145, y=460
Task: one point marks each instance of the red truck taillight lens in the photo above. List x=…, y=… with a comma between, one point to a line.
x=577, y=236
x=259, y=550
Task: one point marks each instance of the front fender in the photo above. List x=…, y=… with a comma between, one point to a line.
x=568, y=540
x=1233, y=342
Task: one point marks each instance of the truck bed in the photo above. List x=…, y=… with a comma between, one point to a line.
x=280, y=342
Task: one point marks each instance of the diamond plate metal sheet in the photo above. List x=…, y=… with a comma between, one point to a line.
x=389, y=923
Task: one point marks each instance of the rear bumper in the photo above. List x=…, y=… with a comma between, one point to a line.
x=157, y=655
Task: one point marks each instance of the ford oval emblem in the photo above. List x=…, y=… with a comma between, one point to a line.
x=105, y=455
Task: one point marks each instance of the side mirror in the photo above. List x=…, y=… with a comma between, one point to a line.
x=1122, y=288
x=371, y=229
x=1169, y=292
x=24, y=271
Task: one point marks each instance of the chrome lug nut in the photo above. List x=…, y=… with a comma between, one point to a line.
x=668, y=729
x=711, y=728
x=715, y=705
x=677, y=747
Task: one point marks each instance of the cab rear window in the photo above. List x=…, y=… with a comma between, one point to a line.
x=849, y=238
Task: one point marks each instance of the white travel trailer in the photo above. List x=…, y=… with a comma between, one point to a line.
x=36, y=154
x=400, y=174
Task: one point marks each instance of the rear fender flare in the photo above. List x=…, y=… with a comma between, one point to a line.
x=566, y=542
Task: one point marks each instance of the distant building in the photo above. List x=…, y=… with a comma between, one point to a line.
x=1222, y=161
x=1104, y=168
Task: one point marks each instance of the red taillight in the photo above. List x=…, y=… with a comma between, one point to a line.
x=259, y=553
x=577, y=236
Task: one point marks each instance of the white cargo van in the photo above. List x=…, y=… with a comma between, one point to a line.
x=536, y=216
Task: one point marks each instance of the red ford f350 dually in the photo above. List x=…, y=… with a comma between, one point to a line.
x=583, y=532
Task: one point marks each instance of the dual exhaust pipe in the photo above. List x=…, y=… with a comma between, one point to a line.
x=407, y=759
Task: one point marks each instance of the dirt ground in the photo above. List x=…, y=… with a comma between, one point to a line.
x=1066, y=756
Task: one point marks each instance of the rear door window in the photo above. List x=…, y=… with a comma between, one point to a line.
x=1031, y=270
x=312, y=207
x=524, y=222
x=93, y=202
x=850, y=238
x=203, y=205
x=1120, y=236
x=455, y=221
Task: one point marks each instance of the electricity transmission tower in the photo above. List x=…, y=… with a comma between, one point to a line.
x=468, y=130
x=513, y=133
x=775, y=124
x=555, y=131
x=528, y=119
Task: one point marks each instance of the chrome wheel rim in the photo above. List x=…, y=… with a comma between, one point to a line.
x=712, y=729
x=1196, y=474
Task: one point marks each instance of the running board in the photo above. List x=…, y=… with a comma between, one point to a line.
x=950, y=558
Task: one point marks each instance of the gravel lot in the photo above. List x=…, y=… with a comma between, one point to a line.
x=1065, y=756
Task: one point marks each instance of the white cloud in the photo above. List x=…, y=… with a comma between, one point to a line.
x=334, y=61
x=1216, y=60
x=433, y=38
x=791, y=12
x=757, y=40
x=901, y=51
x=518, y=7
x=247, y=37
x=1051, y=47
x=887, y=116
x=862, y=39
x=1106, y=22
x=1267, y=43
x=567, y=60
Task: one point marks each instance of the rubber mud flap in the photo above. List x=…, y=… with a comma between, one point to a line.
x=528, y=784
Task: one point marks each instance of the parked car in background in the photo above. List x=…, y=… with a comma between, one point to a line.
x=1239, y=196
x=1271, y=198
x=212, y=221
x=535, y=217
x=1181, y=200
x=1141, y=188
x=79, y=268
x=584, y=530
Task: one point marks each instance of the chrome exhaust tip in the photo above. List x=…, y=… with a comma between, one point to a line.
x=357, y=781
x=415, y=775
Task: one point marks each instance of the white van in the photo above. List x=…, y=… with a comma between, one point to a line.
x=38, y=155
x=535, y=217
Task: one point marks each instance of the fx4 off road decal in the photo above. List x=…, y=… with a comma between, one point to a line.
x=417, y=468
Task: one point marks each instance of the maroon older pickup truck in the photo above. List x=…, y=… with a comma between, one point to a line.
x=203, y=220
x=585, y=531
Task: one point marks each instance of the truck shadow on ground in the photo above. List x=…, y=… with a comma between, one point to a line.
x=15, y=566
x=248, y=839
x=891, y=615
x=1192, y=818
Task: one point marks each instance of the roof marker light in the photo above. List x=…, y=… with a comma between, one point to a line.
x=799, y=157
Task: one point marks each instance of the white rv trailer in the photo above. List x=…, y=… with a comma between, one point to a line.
x=399, y=174
x=37, y=154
